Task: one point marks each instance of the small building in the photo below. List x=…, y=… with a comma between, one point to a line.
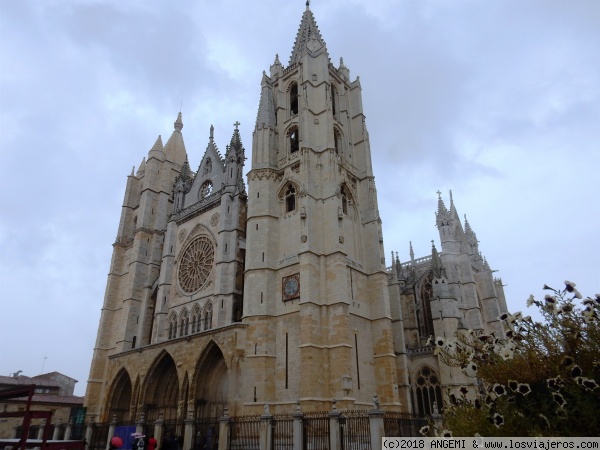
x=53, y=392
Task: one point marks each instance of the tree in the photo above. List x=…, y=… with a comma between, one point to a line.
x=539, y=379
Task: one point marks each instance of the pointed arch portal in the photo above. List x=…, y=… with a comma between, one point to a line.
x=162, y=389
x=120, y=397
x=211, y=383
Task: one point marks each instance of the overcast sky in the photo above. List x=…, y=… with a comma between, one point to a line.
x=498, y=101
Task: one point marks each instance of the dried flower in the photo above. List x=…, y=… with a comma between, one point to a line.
x=576, y=371
x=530, y=301
x=498, y=420
x=550, y=298
x=424, y=430
x=499, y=389
x=569, y=286
x=558, y=398
x=523, y=389
x=514, y=385
x=464, y=390
x=555, y=383
x=446, y=433
x=470, y=370
x=439, y=341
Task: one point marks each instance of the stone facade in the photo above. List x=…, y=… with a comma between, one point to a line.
x=218, y=297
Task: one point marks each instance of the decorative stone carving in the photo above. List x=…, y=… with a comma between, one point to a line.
x=182, y=235
x=214, y=220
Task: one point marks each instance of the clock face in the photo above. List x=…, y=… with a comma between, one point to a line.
x=291, y=287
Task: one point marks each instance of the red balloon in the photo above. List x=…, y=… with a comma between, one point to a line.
x=116, y=441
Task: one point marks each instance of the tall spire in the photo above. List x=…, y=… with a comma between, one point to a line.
x=266, y=107
x=308, y=30
x=175, y=148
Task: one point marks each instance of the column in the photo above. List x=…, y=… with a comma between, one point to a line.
x=158, y=430
x=377, y=428
x=334, y=428
x=111, y=430
x=69, y=429
x=266, y=431
x=297, y=428
x=139, y=424
x=89, y=430
x=224, y=430
x=56, y=432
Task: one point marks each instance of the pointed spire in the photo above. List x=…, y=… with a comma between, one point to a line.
x=142, y=167
x=308, y=30
x=436, y=262
x=486, y=266
x=412, y=253
x=185, y=170
x=441, y=206
x=158, y=145
x=265, y=117
x=175, y=148
x=277, y=62
x=468, y=229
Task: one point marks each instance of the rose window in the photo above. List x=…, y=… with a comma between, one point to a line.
x=206, y=189
x=196, y=264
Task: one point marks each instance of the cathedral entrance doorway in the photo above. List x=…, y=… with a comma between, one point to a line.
x=162, y=389
x=211, y=383
x=120, y=397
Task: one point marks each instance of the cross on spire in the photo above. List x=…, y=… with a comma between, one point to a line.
x=439, y=193
x=237, y=124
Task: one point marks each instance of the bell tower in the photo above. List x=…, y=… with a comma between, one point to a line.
x=315, y=290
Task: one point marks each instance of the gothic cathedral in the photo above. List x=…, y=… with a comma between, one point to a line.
x=222, y=297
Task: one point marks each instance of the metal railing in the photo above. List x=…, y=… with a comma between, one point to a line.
x=355, y=430
x=282, y=436
x=402, y=425
x=315, y=428
x=244, y=433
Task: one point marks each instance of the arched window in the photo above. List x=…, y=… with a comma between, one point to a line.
x=294, y=140
x=344, y=200
x=290, y=198
x=187, y=326
x=333, y=94
x=427, y=390
x=195, y=319
x=337, y=141
x=208, y=316
x=173, y=326
x=294, y=99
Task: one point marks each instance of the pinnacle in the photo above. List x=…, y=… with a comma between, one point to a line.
x=308, y=30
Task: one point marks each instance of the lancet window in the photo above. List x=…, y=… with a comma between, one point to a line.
x=294, y=99
x=294, y=140
x=208, y=316
x=290, y=198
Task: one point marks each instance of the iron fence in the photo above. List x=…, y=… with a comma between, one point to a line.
x=315, y=429
x=401, y=424
x=355, y=430
x=205, y=434
x=77, y=431
x=99, y=437
x=177, y=428
x=282, y=436
x=244, y=433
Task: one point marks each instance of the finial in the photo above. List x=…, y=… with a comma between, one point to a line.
x=438, y=192
x=277, y=59
x=236, y=124
x=341, y=62
x=433, y=243
x=412, y=253
x=178, y=123
x=307, y=5
x=212, y=133
x=451, y=201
